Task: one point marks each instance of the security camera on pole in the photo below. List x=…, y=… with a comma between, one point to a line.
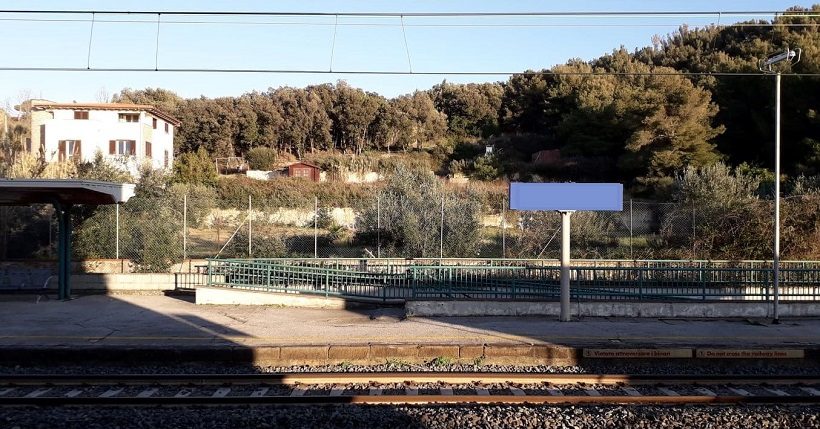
x=766, y=66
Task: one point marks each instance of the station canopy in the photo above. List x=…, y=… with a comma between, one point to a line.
x=19, y=192
x=63, y=194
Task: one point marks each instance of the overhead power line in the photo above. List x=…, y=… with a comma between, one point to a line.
x=160, y=18
x=641, y=14
x=414, y=25
x=393, y=72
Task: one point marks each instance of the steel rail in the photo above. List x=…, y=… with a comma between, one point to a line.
x=404, y=399
x=401, y=377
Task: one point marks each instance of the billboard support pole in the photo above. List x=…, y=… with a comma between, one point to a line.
x=566, y=198
x=565, y=265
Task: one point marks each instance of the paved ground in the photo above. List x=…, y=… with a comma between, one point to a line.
x=159, y=320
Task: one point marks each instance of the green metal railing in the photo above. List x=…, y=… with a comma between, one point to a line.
x=462, y=279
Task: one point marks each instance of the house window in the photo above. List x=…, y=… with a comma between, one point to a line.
x=165, y=163
x=81, y=114
x=122, y=147
x=167, y=128
x=301, y=172
x=68, y=150
x=148, y=149
x=154, y=122
x=129, y=117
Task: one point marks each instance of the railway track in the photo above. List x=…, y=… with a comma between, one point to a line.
x=404, y=388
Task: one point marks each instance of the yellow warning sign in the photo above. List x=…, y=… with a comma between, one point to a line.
x=638, y=353
x=750, y=354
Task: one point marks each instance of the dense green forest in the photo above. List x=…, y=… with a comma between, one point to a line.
x=692, y=98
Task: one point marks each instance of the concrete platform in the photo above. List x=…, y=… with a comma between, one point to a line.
x=166, y=327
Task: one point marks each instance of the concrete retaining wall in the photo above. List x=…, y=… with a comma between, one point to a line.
x=227, y=296
x=375, y=353
x=120, y=283
x=611, y=309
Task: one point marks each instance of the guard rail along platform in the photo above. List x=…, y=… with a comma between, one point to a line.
x=399, y=280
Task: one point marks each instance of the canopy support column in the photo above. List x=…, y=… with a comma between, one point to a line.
x=63, y=251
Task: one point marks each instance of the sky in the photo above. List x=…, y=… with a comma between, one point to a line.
x=484, y=44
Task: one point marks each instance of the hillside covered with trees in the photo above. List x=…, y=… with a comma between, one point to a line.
x=692, y=98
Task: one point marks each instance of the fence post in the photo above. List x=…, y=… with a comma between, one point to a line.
x=441, y=233
x=640, y=282
x=316, y=227
x=185, y=228
x=413, y=281
x=379, y=226
x=117, y=231
x=769, y=273
x=448, y=279
x=250, y=227
x=503, y=231
x=384, y=290
x=702, y=280
x=631, y=255
x=693, y=231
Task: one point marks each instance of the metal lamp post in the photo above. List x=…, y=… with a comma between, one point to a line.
x=792, y=57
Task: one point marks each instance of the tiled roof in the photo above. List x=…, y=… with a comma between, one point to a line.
x=304, y=163
x=39, y=105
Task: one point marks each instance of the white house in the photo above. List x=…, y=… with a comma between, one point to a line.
x=127, y=134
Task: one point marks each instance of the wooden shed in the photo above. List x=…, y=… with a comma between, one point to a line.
x=303, y=169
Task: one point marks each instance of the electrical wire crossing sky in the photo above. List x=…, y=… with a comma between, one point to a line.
x=218, y=48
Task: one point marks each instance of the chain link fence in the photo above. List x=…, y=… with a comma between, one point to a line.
x=157, y=233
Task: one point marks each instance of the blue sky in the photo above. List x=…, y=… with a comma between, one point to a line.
x=306, y=43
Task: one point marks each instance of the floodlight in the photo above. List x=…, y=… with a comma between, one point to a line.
x=777, y=58
x=788, y=55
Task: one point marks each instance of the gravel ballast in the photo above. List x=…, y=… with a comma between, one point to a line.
x=393, y=366
x=444, y=417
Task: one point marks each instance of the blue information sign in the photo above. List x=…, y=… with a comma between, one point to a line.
x=566, y=196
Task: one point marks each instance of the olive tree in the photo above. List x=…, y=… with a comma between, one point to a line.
x=409, y=212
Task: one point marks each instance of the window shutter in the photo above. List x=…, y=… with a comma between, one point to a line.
x=61, y=150
x=77, y=149
x=133, y=148
x=112, y=147
x=148, y=149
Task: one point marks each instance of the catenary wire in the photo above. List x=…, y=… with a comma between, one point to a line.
x=395, y=72
x=432, y=14
x=428, y=25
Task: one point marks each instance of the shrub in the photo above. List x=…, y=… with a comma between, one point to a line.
x=730, y=219
x=492, y=195
x=485, y=168
x=233, y=192
x=261, y=158
x=201, y=200
x=195, y=167
x=410, y=215
x=150, y=227
x=593, y=235
x=150, y=233
x=336, y=163
x=263, y=246
x=101, y=169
